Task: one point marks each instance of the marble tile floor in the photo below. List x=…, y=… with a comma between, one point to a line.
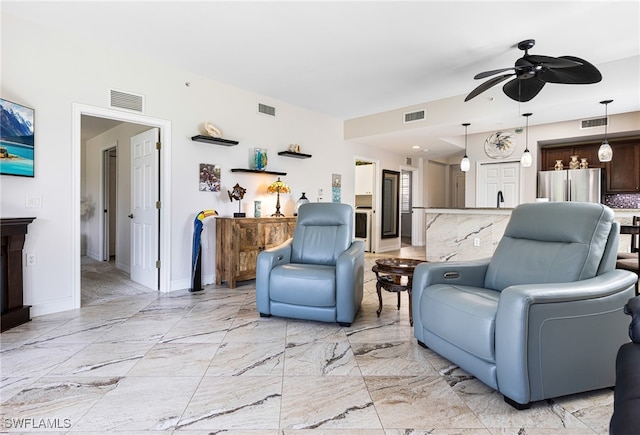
x=102, y=280
x=206, y=363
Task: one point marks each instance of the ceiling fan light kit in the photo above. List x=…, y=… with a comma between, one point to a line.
x=465, y=164
x=526, y=160
x=605, y=153
x=532, y=72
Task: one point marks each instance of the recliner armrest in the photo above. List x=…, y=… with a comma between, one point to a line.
x=599, y=286
x=349, y=279
x=529, y=313
x=267, y=260
x=348, y=261
x=355, y=250
x=469, y=273
x=280, y=254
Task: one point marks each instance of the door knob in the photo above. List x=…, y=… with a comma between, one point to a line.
x=131, y=216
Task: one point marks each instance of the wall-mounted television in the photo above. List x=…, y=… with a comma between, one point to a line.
x=16, y=139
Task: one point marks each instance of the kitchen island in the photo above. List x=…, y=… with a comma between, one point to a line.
x=472, y=233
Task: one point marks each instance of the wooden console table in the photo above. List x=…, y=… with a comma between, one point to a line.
x=13, y=231
x=240, y=240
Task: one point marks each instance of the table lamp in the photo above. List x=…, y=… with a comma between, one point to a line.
x=278, y=187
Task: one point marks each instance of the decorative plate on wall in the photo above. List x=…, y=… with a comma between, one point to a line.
x=500, y=144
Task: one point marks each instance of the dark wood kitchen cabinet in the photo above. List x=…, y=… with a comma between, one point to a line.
x=622, y=174
x=548, y=156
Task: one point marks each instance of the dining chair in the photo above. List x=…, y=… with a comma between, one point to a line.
x=631, y=260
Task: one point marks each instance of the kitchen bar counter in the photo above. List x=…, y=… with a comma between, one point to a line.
x=461, y=234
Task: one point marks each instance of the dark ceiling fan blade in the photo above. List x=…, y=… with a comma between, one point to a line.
x=534, y=71
x=485, y=74
x=486, y=85
x=579, y=75
x=553, y=62
x=523, y=89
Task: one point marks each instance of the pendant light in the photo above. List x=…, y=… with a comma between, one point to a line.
x=605, y=153
x=526, y=158
x=465, y=164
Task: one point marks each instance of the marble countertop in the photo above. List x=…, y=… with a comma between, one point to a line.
x=485, y=211
x=621, y=212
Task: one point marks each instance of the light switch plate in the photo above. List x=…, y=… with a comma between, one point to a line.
x=33, y=201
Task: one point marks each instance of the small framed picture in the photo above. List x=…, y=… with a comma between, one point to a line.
x=209, y=178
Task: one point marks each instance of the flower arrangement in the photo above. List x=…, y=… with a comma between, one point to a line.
x=86, y=207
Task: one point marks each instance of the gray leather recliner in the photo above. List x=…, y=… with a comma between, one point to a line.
x=319, y=273
x=544, y=316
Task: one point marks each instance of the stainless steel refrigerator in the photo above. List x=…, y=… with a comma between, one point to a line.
x=583, y=185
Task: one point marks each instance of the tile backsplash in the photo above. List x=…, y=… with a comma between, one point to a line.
x=623, y=200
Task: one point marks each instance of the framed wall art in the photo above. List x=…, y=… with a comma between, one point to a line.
x=16, y=139
x=209, y=178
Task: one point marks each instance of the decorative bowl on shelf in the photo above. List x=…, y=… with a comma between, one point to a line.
x=211, y=130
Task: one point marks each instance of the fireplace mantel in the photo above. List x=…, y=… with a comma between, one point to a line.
x=13, y=232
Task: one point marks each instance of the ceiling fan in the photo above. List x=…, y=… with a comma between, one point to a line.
x=532, y=72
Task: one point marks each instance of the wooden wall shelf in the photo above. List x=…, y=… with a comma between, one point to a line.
x=214, y=140
x=257, y=171
x=294, y=155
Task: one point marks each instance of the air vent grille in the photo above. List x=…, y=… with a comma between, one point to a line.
x=593, y=123
x=266, y=110
x=408, y=161
x=125, y=100
x=414, y=116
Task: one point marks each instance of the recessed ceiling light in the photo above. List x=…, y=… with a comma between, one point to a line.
x=415, y=147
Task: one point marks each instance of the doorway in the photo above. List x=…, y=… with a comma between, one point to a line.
x=366, y=201
x=129, y=245
x=110, y=200
x=406, y=206
x=458, y=186
x=163, y=234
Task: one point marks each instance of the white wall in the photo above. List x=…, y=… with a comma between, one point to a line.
x=50, y=71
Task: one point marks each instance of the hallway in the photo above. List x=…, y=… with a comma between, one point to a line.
x=102, y=281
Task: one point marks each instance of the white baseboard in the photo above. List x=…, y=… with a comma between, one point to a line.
x=185, y=284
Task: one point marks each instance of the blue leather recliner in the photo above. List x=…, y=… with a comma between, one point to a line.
x=544, y=316
x=319, y=273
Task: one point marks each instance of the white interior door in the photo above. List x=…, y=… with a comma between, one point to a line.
x=145, y=215
x=495, y=177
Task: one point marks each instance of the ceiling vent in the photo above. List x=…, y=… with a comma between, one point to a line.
x=266, y=110
x=408, y=161
x=593, y=123
x=414, y=116
x=126, y=100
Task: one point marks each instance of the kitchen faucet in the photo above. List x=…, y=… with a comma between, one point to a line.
x=500, y=198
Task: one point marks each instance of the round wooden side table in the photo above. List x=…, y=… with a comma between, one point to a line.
x=395, y=275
